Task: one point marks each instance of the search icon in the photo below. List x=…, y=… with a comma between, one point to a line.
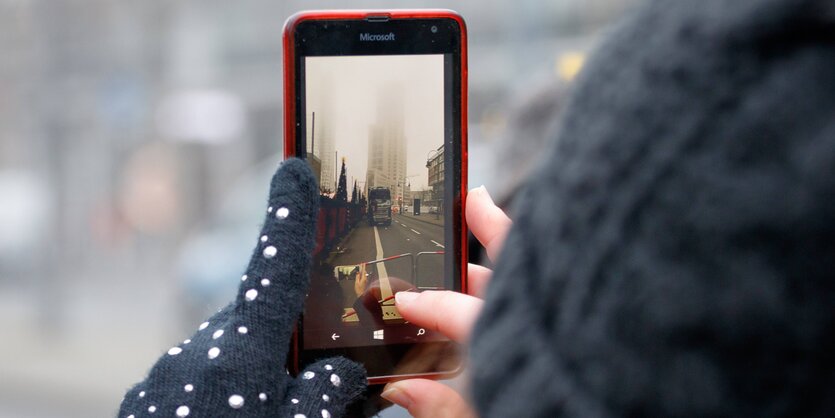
x=421, y=332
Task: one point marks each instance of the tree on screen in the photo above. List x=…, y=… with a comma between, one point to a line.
x=342, y=188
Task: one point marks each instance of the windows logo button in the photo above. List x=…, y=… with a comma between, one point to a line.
x=378, y=334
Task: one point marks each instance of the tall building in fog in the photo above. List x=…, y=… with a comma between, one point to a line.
x=387, y=145
x=321, y=142
x=325, y=150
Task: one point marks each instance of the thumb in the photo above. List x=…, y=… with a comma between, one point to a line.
x=427, y=399
x=325, y=389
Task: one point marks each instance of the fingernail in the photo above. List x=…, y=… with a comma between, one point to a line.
x=394, y=394
x=479, y=190
x=404, y=298
x=485, y=193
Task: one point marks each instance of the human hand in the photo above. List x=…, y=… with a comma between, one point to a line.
x=361, y=281
x=450, y=313
x=234, y=364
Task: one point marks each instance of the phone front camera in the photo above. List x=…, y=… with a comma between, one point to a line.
x=434, y=29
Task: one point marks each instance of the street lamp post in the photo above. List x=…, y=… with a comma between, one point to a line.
x=403, y=190
x=402, y=195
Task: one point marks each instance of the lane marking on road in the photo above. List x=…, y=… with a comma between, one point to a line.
x=385, y=286
x=389, y=311
x=416, y=232
x=381, y=267
x=436, y=243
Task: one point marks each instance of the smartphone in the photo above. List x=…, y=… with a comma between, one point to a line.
x=375, y=102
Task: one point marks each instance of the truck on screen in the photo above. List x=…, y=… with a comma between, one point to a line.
x=379, y=206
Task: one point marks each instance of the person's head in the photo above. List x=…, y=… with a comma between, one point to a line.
x=675, y=254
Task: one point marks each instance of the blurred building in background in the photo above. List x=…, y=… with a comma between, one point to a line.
x=435, y=173
x=136, y=144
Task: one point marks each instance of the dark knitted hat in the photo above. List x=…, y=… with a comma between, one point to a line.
x=675, y=254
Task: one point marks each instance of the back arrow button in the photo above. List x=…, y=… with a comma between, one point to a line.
x=334, y=336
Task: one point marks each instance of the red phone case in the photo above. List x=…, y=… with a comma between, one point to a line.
x=290, y=126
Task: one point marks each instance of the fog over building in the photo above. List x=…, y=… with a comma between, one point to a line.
x=387, y=144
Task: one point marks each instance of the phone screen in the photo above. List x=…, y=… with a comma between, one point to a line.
x=375, y=141
x=379, y=123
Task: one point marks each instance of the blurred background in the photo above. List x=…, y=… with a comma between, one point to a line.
x=137, y=140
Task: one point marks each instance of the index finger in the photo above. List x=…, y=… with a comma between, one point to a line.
x=273, y=289
x=487, y=221
x=450, y=313
x=477, y=279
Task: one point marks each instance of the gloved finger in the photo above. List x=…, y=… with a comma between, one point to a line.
x=272, y=291
x=325, y=389
x=426, y=398
x=234, y=362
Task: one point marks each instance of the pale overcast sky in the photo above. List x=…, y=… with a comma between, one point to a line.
x=343, y=92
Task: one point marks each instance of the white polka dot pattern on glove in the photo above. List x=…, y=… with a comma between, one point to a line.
x=231, y=365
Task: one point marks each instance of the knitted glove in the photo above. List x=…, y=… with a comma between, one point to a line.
x=234, y=365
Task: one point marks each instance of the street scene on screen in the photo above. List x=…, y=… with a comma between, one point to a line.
x=374, y=138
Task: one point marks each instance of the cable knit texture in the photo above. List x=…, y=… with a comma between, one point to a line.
x=675, y=254
x=233, y=366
